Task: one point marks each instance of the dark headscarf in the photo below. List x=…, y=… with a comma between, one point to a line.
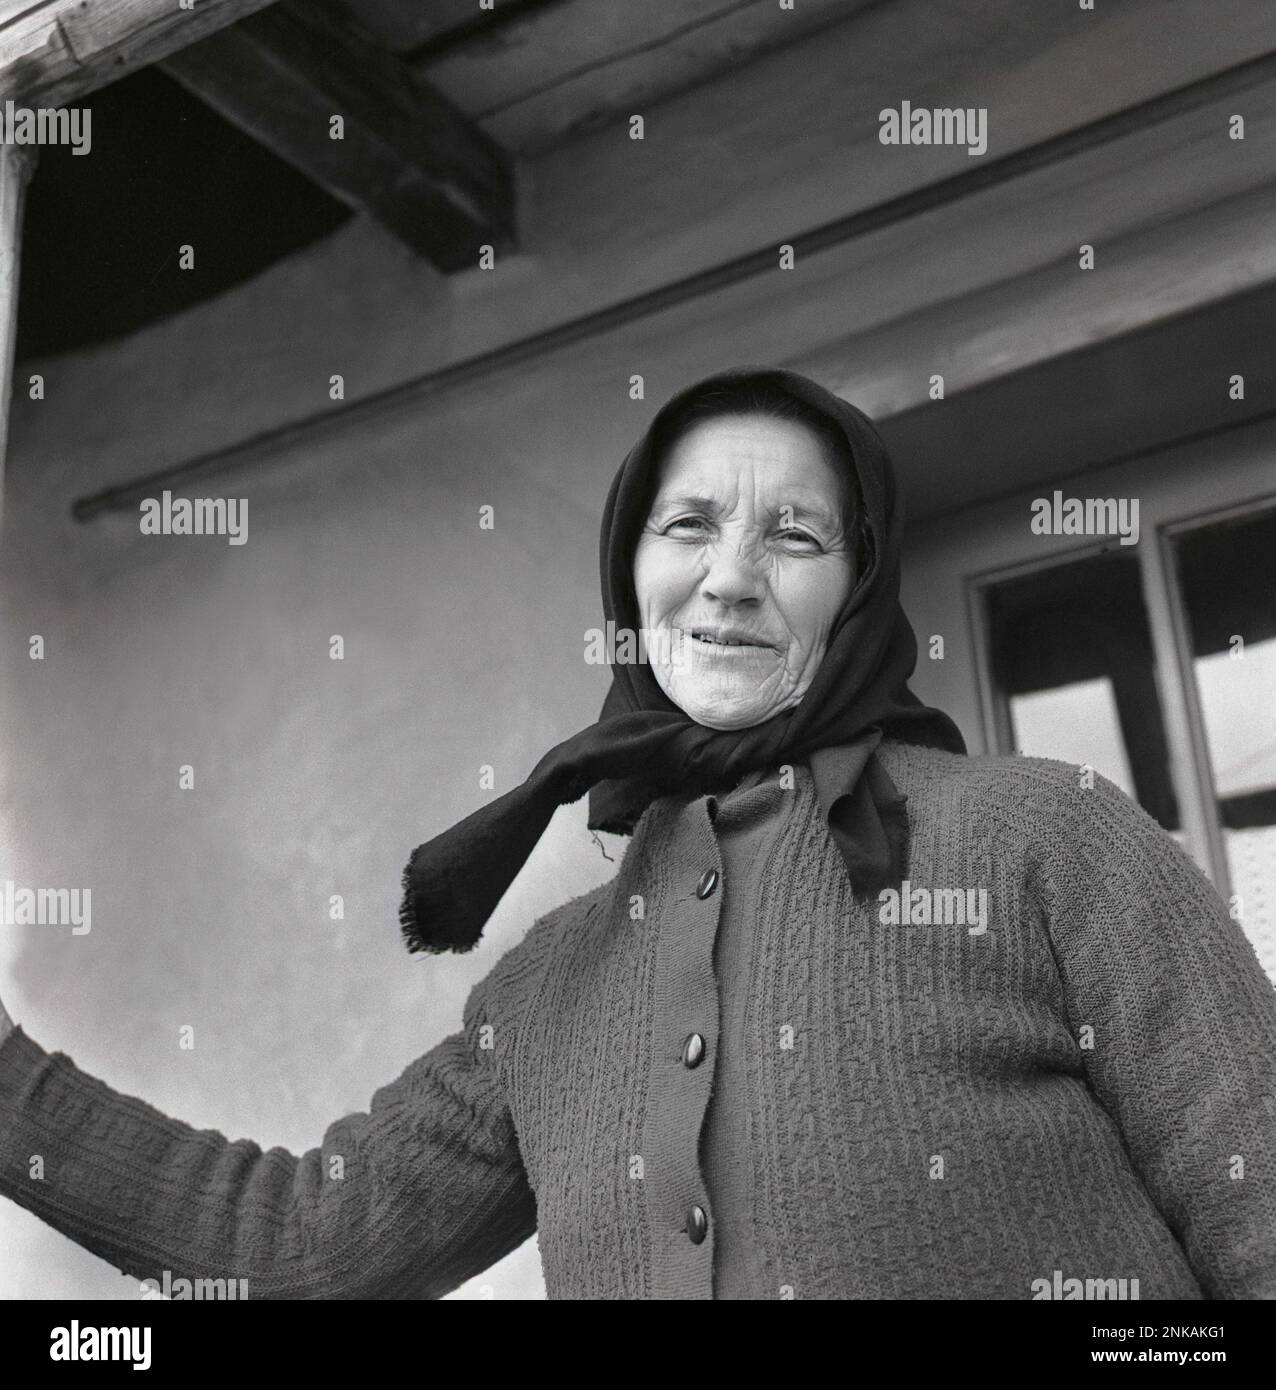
x=644, y=746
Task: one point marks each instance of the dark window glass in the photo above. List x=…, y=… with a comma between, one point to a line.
x=1074, y=675
x=1227, y=578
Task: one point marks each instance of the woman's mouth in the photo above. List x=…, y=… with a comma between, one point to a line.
x=726, y=640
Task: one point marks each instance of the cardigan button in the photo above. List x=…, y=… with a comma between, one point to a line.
x=697, y=1225
x=693, y=1051
x=708, y=882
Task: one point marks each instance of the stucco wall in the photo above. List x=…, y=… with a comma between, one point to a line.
x=312, y=777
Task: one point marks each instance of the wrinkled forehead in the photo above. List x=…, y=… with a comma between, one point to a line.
x=777, y=462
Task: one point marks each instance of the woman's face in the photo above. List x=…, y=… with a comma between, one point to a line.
x=741, y=568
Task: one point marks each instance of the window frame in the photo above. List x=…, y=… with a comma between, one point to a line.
x=1191, y=771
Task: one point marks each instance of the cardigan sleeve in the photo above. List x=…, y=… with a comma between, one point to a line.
x=1175, y=1020
x=424, y=1191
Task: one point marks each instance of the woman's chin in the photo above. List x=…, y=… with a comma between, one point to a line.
x=727, y=705
x=728, y=717
x=726, y=726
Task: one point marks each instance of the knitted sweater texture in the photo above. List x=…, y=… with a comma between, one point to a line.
x=1086, y=1086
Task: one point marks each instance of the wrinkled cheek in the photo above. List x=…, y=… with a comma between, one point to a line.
x=805, y=664
x=666, y=587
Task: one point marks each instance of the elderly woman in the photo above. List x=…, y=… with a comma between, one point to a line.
x=860, y=1016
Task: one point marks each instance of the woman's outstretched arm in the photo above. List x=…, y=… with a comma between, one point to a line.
x=1180, y=1029
x=409, y=1200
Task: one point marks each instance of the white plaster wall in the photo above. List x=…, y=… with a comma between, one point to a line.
x=313, y=777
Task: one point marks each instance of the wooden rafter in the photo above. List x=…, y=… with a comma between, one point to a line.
x=409, y=26
x=404, y=25
x=55, y=51
x=407, y=156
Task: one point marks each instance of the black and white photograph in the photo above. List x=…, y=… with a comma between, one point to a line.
x=638, y=663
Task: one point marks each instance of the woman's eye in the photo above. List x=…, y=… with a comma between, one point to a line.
x=792, y=534
x=693, y=524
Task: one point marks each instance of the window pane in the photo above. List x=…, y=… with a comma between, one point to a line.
x=1078, y=724
x=1072, y=663
x=1227, y=577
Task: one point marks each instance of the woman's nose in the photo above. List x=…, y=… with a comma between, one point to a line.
x=733, y=577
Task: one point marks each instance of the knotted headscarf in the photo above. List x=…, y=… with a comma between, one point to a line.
x=643, y=746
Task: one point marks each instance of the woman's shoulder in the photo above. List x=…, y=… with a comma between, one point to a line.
x=916, y=767
x=1039, y=796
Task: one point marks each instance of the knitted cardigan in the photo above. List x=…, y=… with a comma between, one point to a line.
x=1082, y=1091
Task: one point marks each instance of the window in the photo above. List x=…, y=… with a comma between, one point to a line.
x=1226, y=575
x=1074, y=671
x=1158, y=669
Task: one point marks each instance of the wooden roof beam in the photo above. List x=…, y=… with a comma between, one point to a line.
x=55, y=51
x=409, y=26
x=408, y=157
